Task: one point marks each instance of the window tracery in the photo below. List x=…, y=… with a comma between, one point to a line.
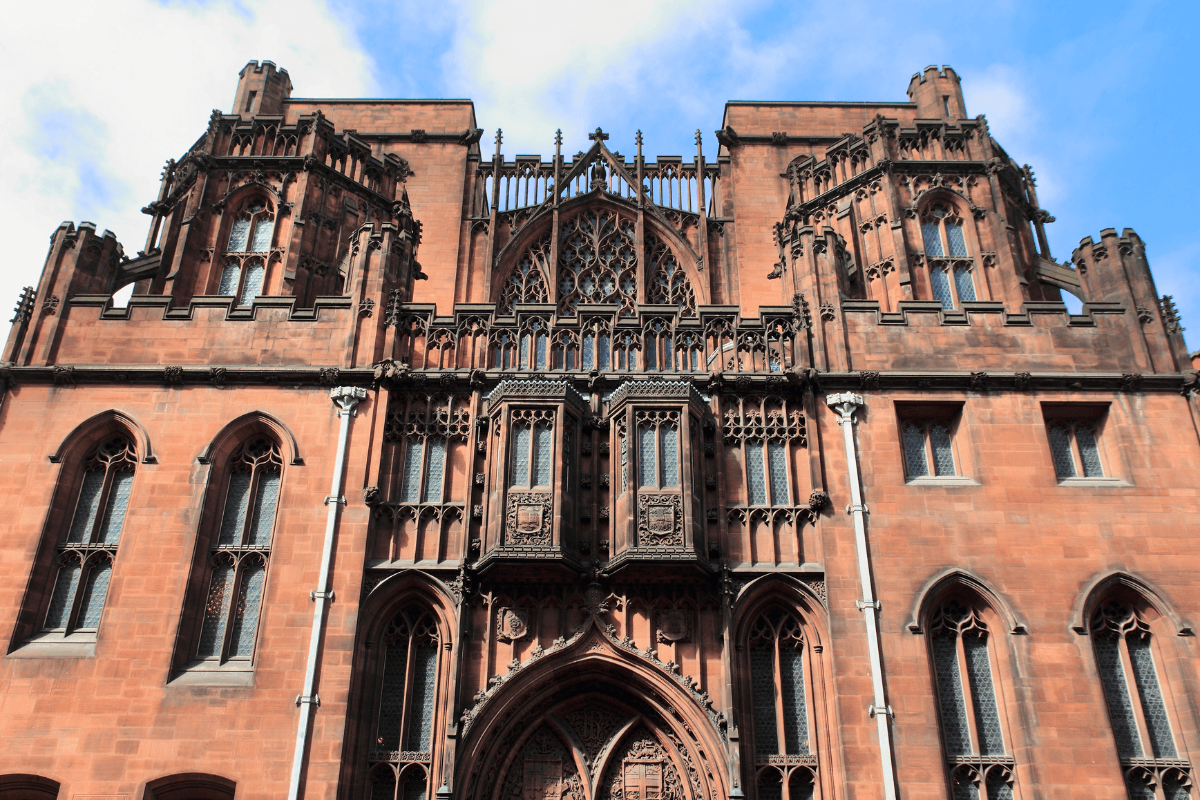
x=238, y=559
x=86, y=554
x=402, y=747
x=526, y=283
x=668, y=285
x=422, y=430
x=597, y=262
x=245, y=253
x=950, y=263
x=765, y=428
x=1123, y=643
x=974, y=740
x=784, y=752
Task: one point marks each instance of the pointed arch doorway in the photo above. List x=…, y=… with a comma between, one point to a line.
x=594, y=746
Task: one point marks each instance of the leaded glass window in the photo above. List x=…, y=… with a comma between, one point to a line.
x=1075, y=449
x=1125, y=659
x=940, y=283
x=963, y=284
x=933, y=239
x=948, y=258
x=406, y=706
x=249, y=236
x=437, y=467
x=658, y=455
x=756, y=485
x=927, y=443
x=967, y=703
x=532, y=448
x=85, y=556
x=779, y=702
x=238, y=559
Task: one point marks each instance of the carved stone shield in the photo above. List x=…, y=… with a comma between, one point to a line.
x=674, y=625
x=661, y=520
x=529, y=519
x=512, y=624
x=643, y=779
x=542, y=779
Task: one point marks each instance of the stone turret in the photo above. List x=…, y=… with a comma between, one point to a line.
x=262, y=88
x=938, y=94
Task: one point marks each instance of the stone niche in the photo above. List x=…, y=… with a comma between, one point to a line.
x=532, y=476
x=655, y=441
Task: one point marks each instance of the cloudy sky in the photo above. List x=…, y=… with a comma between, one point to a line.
x=1099, y=96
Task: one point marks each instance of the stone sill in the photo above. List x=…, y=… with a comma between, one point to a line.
x=58, y=645
x=201, y=673
x=1083, y=483
x=942, y=480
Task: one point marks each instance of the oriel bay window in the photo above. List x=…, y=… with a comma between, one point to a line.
x=239, y=557
x=972, y=729
x=784, y=756
x=401, y=749
x=85, y=554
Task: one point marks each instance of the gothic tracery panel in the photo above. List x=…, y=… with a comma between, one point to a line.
x=526, y=283
x=597, y=262
x=668, y=285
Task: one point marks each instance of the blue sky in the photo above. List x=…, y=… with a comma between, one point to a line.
x=1100, y=98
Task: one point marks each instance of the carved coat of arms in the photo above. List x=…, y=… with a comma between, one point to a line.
x=674, y=625
x=512, y=624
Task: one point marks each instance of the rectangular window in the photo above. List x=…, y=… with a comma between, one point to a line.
x=1073, y=431
x=532, y=449
x=933, y=239
x=927, y=440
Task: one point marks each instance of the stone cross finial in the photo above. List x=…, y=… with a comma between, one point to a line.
x=598, y=136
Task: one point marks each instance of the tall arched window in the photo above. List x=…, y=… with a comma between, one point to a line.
x=784, y=755
x=245, y=254
x=526, y=284
x=239, y=556
x=950, y=263
x=87, y=549
x=1125, y=657
x=402, y=747
x=972, y=731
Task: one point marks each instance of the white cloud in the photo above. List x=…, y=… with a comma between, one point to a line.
x=539, y=65
x=98, y=95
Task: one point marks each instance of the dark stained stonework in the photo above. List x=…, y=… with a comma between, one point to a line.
x=597, y=533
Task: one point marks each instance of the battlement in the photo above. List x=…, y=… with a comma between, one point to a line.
x=262, y=88
x=937, y=93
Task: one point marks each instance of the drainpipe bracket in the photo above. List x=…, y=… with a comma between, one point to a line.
x=874, y=711
x=335, y=499
x=312, y=700
x=862, y=605
x=850, y=509
x=313, y=595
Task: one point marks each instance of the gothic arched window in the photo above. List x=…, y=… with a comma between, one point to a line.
x=949, y=261
x=784, y=754
x=237, y=566
x=668, y=285
x=972, y=731
x=597, y=262
x=526, y=284
x=250, y=235
x=87, y=549
x=1125, y=657
x=402, y=747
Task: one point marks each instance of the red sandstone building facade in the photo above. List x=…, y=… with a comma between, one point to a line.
x=411, y=469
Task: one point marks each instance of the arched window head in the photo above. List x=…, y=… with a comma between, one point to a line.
x=238, y=559
x=779, y=677
x=1126, y=659
x=402, y=746
x=950, y=264
x=250, y=235
x=597, y=262
x=972, y=731
x=527, y=283
x=88, y=548
x=668, y=284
